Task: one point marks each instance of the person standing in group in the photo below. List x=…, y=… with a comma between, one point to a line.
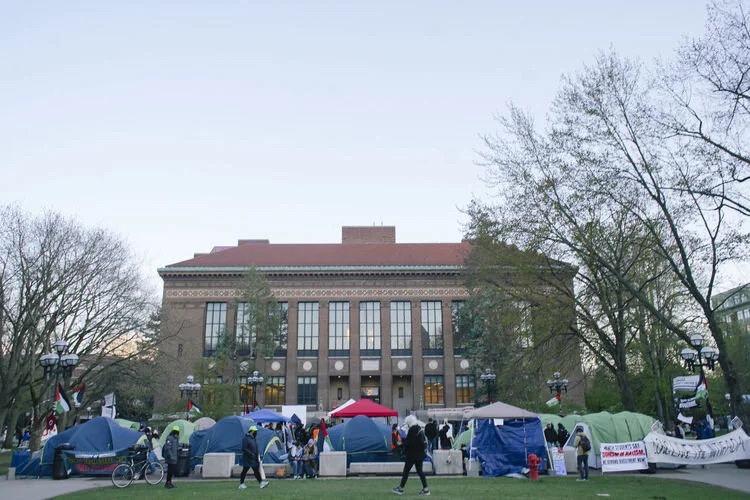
x=431, y=432
x=582, y=444
x=550, y=436
x=415, y=446
x=169, y=452
x=562, y=435
x=250, y=458
x=395, y=441
x=445, y=441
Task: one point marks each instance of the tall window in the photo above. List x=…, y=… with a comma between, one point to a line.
x=369, y=328
x=307, y=329
x=432, y=327
x=524, y=331
x=338, y=328
x=281, y=336
x=216, y=324
x=275, y=391
x=458, y=324
x=465, y=389
x=243, y=332
x=401, y=328
x=307, y=390
x=434, y=390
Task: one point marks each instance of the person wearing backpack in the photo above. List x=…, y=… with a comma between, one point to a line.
x=582, y=445
x=415, y=447
x=169, y=452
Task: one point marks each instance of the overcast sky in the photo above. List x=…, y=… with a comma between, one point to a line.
x=182, y=125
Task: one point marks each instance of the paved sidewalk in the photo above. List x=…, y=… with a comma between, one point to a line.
x=40, y=489
x=726, y=475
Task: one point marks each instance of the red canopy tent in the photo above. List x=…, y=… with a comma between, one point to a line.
x=366, y=407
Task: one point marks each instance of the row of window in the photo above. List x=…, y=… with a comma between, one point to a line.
x=431, y=327
x=307, y=390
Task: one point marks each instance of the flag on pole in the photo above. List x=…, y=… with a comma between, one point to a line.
x=78, y=392
x=62, y=403
x=192, y=407
x=553, y=401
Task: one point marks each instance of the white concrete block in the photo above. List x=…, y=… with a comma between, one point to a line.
x=11, y=473
x=332, y=464
x=447, y=462
x=217, y=465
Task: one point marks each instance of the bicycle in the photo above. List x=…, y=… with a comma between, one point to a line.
x=135, y=467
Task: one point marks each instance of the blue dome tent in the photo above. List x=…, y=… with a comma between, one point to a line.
x=266, y=416
x=363, y=440
x=226, y=437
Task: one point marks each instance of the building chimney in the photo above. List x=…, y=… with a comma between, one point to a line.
x=368, y=234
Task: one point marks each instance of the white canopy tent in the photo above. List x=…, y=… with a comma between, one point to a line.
x=341, y=407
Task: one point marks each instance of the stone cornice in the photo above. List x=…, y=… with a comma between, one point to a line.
x=322, y=293
x=179, y=272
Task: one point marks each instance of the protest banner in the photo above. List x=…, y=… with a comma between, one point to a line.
x=727, y=448
x=558, y=460
x=623, y=456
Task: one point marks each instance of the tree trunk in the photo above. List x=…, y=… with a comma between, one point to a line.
x=10, y=419
x=730, y=372
x=626, y=391
x=37, y=428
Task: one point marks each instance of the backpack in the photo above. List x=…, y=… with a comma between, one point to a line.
x=584, y=443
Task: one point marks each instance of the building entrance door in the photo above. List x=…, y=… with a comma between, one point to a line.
x=403, y=399
x=370, y=388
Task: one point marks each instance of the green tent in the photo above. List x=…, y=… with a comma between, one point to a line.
x=128, y=424
x=186, y=429
x=605, y=427
x=463, y=439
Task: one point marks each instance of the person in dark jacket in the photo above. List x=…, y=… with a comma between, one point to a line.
x=445, y=442
x=250, y=458
x=431, y=432
x=169, y=452
x=415, y=446
x=550, y=436
x=562, y=435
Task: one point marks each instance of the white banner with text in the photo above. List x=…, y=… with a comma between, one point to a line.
x=623, y=456
x=727, y=448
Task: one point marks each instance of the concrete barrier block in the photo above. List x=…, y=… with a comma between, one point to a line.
x=332, y=464
x=11, y=473
x=217, y=465
x=448, y=462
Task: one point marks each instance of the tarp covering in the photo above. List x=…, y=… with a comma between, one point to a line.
x=226, y=437
x=100, y=435
x=366, y=407
x=605, y=427
x=186, y=429
x=262, y=416
x=203, y=423
x=498, y=410
x=363, y=440
x=504, y=449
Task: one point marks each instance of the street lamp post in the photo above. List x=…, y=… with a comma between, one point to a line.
x=557, y=386
x=58, y=363
x=255, y=380
x=488, y=377
x=190, y=388
x=701, y=357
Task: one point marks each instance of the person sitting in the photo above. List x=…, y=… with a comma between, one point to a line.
x=295, y=458
x=309, y=457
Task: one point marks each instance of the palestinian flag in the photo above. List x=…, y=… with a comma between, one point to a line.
x=554, y=401
x=78, y=392
x=62, y=403
x=192, y=407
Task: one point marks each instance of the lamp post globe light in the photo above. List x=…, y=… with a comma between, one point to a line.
x=58, y=363
x=489, y=377
x=255, y=380
x=557, y=386
x=700, y=357
x=190, y=388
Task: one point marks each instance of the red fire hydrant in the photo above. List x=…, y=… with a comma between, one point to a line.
x=534, y=467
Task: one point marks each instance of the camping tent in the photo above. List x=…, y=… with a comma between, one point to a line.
x=463, y=439
x=264, y=416
x=203, y=423
x=504, y=449
x=363, y=440
x=128, y=424
x=226, y=437
x=366, y=407
x=98, y=446
x=341, y=407
x=186, y=429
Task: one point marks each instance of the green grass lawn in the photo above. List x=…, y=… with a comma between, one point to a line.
x=453, y=488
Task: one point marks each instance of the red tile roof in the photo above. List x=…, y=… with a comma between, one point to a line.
x=334, y=254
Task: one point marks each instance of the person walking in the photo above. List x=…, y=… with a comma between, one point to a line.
x=415, y=446
x=250, y=458
x=431, y=432
x=169, y=452
x=582, y=444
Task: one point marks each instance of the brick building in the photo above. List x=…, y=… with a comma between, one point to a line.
x=367, y=317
